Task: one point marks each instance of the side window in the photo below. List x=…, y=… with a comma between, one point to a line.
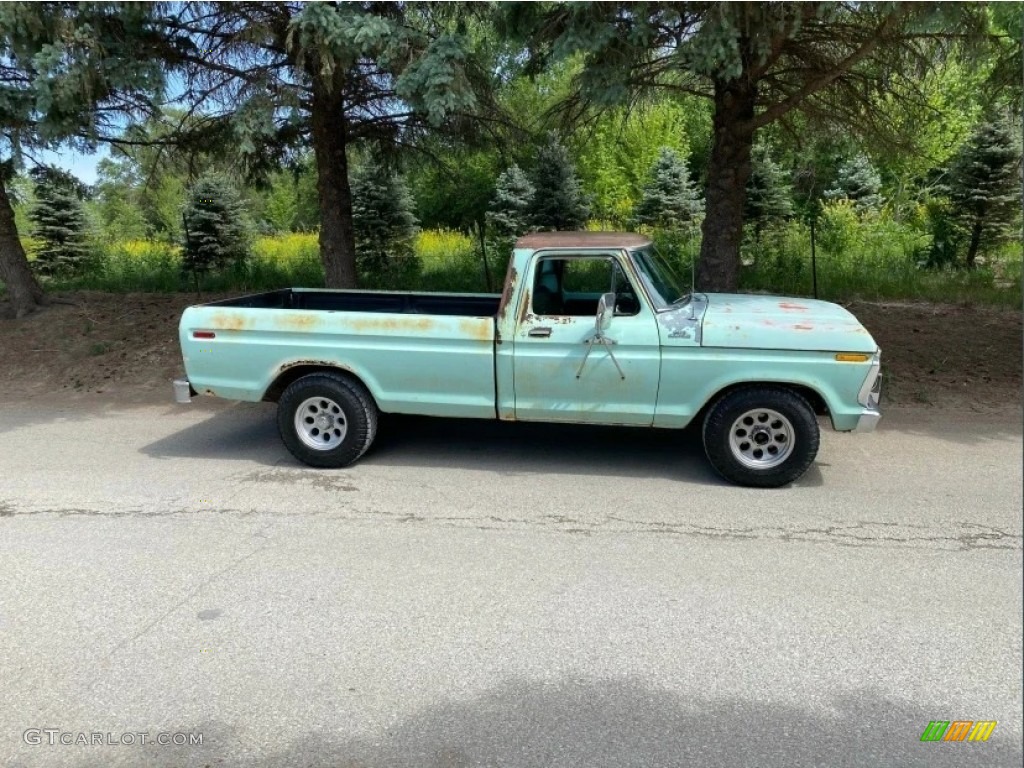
x=587, y=276
x=572, y=286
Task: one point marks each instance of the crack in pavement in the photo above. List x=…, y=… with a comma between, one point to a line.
x=846, y=535
x=324, y=481
x=962, y=536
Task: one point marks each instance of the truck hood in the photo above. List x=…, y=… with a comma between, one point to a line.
x=778, y=322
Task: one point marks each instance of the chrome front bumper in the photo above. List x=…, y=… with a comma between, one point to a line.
x=868, y=421
x=183, y=391
x=870, y=396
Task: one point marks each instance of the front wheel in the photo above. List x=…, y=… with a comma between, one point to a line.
x=764, y=437
x=326, y=420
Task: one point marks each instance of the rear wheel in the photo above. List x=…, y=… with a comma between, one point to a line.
x=327, y=420
x=763, y=437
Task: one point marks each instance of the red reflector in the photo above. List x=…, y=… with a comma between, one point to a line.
x=203, y=335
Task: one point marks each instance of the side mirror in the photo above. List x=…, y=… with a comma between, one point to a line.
x=605, y=311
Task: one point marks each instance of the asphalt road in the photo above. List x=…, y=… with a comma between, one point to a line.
x=476, y=594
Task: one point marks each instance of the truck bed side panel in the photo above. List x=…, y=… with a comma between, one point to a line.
x=432, y=365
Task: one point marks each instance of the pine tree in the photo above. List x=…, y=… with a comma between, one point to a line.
x=859, y=182
x=509, y=215
x=983, y=186
x=77, y=71
x=58, y=220
x=669, y=199
x=769, y=196
x=558, y=199
x=217, y=232
x=757, y=64
x=382, y=213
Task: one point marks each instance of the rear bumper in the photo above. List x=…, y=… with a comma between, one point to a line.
x=183, y=392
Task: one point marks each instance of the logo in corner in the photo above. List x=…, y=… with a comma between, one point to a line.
x=958, y=730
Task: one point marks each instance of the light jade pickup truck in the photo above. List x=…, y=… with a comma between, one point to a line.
x=591, y=327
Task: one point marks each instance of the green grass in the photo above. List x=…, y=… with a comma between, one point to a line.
x=873, y=260
x=880, y=261
x=148, y=266
x=451, y=261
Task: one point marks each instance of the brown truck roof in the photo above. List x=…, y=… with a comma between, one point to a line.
x=537, y=240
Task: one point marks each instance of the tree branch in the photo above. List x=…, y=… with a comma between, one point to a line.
x=827, y=78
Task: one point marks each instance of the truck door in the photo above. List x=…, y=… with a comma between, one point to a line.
x=563, y=369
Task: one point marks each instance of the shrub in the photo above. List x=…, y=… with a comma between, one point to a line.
x=58, y=222
x=880, y=261
x=670, y=198
x=382, y=214
x=217, y=233
x=452, y=261
x=509, y=214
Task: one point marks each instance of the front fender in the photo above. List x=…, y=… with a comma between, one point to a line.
x=693, y=377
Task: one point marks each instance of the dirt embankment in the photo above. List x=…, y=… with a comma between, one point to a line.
x=947, y=355
x=126, y=346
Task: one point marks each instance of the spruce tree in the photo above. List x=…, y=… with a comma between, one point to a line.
x=558, y=199
x=756, y=64
x=58, y=220
x=382, y=213
x=769, y=196
x=217, y=233
x=983, y=186
x=77, y=71
x=669, y=198
x=859, y=182
x=509, y=215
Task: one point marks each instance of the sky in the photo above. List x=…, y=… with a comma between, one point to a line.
x=82, y=166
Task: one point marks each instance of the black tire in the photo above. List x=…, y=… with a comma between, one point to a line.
x=356, y=405
x=803, y=444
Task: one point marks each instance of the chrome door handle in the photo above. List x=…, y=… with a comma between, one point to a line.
x=542, y=333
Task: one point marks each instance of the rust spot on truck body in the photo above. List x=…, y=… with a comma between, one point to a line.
x=413, y=324
x=478, y=329
x=312, y=363
x=296, y=321
x=524, y=311
x=506, y=294
x=789, y=306
x=503, y=303
x=229, y=321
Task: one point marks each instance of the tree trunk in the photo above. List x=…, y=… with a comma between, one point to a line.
x=23, y=289
x=728, y=172
x=972, y=249
x=330, y=139
x=480, y=229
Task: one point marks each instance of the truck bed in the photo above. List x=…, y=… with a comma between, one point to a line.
x=424, y=353
x=447, y=304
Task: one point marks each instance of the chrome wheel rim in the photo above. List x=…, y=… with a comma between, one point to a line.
x=320, y=423
x=761, y=438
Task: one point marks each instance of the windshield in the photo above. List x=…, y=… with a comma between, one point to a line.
x=664, y=286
